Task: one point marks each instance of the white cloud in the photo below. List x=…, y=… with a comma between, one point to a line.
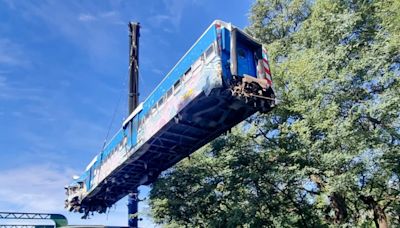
x=86, y=17
x=175, y=8
x=18, y=91
x=12, y=91
x=84, y=24
x=158, y=19
x=157, y=71
x=34, y=188
x=9, y=3
x=109, y=14
x=39, y=188
x=3, y=79
x=11, y=54
x=111, y=17
x=172, y=17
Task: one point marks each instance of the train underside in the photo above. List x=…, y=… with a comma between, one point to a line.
x=199, y=122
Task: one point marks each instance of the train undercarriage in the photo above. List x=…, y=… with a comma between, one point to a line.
x=254, y=91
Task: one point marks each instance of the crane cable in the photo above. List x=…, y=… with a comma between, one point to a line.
x=109, y=129
x=113, y=117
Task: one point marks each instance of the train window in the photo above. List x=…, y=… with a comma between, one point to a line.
x=197, y=66
x=177, y=84
x=169, y=93
x=188, y=71
x=187, y=74
x=209, y=51
x=161, y=101
x=241, y=53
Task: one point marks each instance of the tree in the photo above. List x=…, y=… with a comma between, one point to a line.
x=328, y=154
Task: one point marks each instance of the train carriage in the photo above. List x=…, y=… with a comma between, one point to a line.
x=223, y=79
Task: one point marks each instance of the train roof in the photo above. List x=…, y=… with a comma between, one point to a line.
x=225, y=24
x=140, y=107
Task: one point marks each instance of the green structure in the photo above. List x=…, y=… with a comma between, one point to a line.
x=59, y=220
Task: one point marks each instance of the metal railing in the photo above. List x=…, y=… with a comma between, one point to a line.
x=58, y=219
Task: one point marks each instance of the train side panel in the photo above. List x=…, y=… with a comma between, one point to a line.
x=217, y=83
x=203, y=76
x=200, y=71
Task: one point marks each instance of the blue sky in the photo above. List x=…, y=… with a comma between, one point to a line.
x=63, y=72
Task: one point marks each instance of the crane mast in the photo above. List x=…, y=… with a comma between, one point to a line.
x=133, y=101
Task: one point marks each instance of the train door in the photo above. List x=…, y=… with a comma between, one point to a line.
x=245, y=60
x=243, y=54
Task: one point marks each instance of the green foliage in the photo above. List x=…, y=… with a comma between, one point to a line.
x=329, y=153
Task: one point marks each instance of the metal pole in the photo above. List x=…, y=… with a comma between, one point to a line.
x=133, y=96
x=133, y=102
x=133, y=209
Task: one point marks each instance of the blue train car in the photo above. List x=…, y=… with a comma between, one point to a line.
x=222, y=79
